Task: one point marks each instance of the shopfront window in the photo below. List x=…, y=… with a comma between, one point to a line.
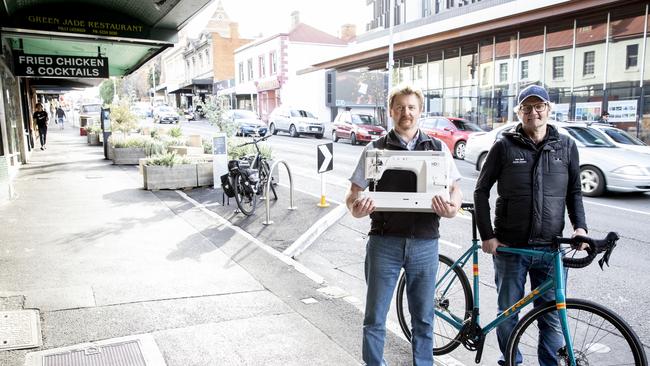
x=559, y=54
x=434, y=70
x=486, y=83
x=452, y=67
x=505, y=91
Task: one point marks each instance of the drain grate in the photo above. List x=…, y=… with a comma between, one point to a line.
x=138, y=350
x=19, y=329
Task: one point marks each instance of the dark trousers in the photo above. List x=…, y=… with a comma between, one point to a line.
x=42, y=134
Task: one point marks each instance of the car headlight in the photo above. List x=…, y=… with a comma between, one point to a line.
x=630, y=170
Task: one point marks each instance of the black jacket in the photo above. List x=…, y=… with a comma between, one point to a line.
x=403, y=224
x=535, y=183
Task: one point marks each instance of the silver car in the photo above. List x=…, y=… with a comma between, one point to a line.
x=622, y=139
x=296, y=122
x=603, y=166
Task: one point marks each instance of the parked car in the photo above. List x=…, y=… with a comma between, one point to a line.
x=247, y=122
x=621, y=138
x=454, y=132
x=165, y=114
x=603, y=165
x=296, y=122
x=358, y=128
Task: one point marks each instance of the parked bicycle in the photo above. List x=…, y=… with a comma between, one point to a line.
x=593, y=334
x=247, y=178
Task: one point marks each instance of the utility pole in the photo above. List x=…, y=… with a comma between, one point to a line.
x=153, y=81
x=389, y=122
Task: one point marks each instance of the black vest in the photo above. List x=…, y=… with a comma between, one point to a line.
x=403, y=224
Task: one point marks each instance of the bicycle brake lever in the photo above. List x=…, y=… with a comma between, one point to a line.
x=605, y=258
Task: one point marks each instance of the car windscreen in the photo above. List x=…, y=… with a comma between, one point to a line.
x=166, y=109
x=301, y=113
x=245, y=114
x=588, y=136
x=364, y=119
x=622, y=137
x=428, y=123
x=466, y=126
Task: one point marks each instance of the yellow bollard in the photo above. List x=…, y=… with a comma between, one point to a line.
x=323, y=203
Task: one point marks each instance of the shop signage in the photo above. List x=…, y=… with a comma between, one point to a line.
x=268, y=84
x=84, y=25
x=60, y=66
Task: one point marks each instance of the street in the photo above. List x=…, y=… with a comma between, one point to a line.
x=339, y=253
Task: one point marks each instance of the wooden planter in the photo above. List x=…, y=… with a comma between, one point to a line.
x=204, y=173
x=93, y=139
x=128, y=155
x=175, y=177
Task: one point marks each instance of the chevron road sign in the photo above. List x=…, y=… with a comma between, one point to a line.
x=325, y=158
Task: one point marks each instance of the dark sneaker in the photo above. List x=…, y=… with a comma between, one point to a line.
x=42, y=148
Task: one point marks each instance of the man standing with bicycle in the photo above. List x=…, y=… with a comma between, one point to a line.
x=538, y=175
x=399, y=240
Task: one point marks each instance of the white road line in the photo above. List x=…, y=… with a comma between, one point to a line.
x=287, y=260
x=616, y=207
x=448, y=243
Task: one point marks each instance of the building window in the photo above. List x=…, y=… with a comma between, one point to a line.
x=524, y=70
x=262, y=66
x=207, y=57
x=273, y=59
x=485, y=80
x=558, y=67
x=503, y=73
x=426, y=8
x=632, y=56
x=588, y=63
x=241, y=72
x=250, y=69
x=200, y=62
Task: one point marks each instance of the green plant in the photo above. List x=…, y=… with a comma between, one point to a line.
x=130, y=141
x=122, y=119
x=167, y=159
x=95, y=129
x=154, y=147
x=176, y=131
x=236, y=152
x=207, y=146
x=155, y=133
x=215, y=109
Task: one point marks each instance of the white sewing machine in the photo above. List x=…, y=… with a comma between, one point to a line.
x=430, y=168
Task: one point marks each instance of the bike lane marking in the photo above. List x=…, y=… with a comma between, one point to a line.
x=616, y=207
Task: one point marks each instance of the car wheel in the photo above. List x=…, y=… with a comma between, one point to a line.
x=459, y=150
x=480, y=161
x=292, y=131
x=353, y=139
x=591, y=181
x=319, y=136
x=272, y=129
x=334, y=137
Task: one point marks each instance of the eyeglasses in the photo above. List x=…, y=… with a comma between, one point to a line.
x=539, y=107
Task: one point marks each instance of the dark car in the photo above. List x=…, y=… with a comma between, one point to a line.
x=356, y=127
x=247, y=122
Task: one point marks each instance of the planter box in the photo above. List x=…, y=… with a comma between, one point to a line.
x=186, y=150
x=204, y=173
x=128, y=155
x=93, y=139
x=163, y=177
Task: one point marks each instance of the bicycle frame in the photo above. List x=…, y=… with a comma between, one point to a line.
x=556, y=280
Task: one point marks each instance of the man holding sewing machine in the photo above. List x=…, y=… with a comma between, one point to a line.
x=538, y=175
x=402, y=239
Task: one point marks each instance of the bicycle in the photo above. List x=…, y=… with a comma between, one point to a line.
x=593, y=334
x=247, y=177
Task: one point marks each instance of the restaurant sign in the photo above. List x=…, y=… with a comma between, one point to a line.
x=57, y=66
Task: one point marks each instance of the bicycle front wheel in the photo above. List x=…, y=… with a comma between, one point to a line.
x=245, y=196
x=453, y=299
x=598, y=335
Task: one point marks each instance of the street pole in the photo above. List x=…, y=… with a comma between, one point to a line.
x=389, y=122
x=153, y=81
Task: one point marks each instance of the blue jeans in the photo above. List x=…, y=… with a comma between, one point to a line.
x=385, y=256
x=510, y=272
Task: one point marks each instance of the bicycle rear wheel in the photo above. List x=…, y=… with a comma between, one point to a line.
x=245, y=196
x=599, y=336
x=453, y=299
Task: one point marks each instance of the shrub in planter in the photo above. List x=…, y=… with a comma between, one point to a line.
x=169, y=171
x=129, y=150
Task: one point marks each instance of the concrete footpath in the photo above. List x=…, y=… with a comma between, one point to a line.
x=104, y=261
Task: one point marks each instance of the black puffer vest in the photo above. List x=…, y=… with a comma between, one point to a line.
x=403, y=224
x=531, y=203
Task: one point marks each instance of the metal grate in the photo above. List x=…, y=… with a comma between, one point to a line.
x=123, y=354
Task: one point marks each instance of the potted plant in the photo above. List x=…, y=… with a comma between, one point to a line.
x=129, y=150
x=169, y=171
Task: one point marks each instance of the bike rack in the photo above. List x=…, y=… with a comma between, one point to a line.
x=267, y=190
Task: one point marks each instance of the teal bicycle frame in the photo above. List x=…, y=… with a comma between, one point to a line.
x=556, y=280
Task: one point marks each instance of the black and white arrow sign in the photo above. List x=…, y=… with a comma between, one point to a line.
x=325, y=158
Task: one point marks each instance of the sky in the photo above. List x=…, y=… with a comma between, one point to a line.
x=270, y=17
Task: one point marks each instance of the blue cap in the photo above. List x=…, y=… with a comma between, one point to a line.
x=533, y=91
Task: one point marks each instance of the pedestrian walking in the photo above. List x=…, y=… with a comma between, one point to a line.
x=41, y=118
x=60, y=116
x=538, y=175
x=397, y=240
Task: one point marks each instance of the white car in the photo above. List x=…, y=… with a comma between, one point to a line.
x=622, y=139
x=165, y=114
x=296, y=122
x=603, y=166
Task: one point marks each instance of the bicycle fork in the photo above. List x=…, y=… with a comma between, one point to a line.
x=560, y=305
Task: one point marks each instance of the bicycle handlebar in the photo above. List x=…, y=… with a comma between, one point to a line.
x=255, y=141
x=596, y=246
